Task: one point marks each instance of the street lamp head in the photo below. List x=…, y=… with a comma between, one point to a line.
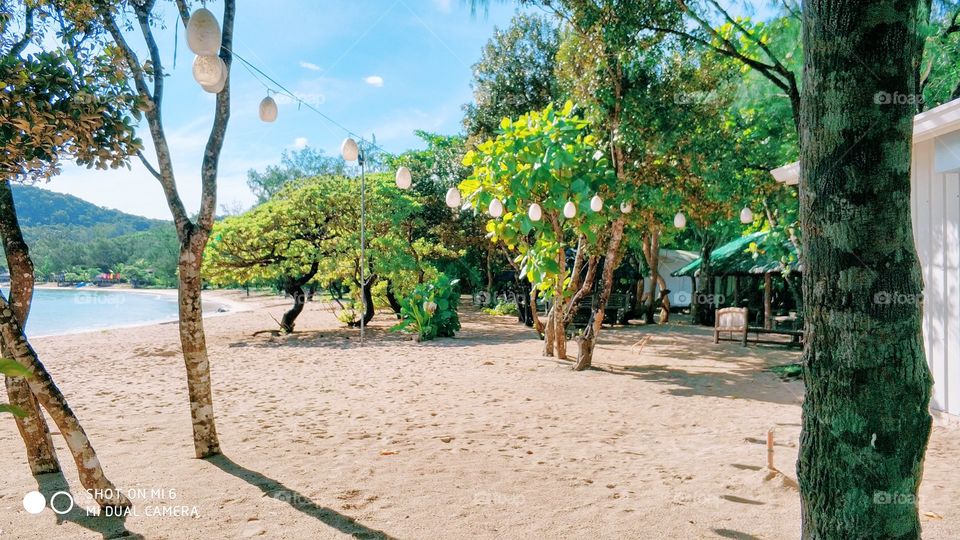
x=596, y=203
x=349, y=149
x=535, y=213
x=496, y=208
x=453, y=197
x=746, y=215
x=569, y=210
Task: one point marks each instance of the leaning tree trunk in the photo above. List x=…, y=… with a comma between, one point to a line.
x=589, y=339
x=41, y=454
x=865, y=415
x=42, y=386
x=193, y=340
x=393, y=300
x=294, y=287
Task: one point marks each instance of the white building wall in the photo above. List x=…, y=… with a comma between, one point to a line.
x=935, y=198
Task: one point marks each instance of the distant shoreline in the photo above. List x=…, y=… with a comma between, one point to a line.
x=216, y=302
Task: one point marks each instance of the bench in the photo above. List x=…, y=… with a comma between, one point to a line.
x=732, y=321
x=616, y=311
x=796, y=335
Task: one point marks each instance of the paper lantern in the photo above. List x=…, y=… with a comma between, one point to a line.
x=453, y=197
x=679, y=220
x=268, y=109
x=349, y=149
x=207, y=70
x=404, y=179
x=217, y=88
x=746, y=215
x=496, y=208
x=535, y=212
x=596, y=203
x=626, y=207
x=203, y=33
x=569, y=210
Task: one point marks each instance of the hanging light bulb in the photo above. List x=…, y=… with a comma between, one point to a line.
x=404, y=179
x=746, y=215
x=349, y=149
x=569, y=210
x=207, y=69
x=453, y=197
x=626, y=207
x=203, y=33
x=218, y=87
x=496, y=208
x=596, y=203
x=680, y=220
x=268, y=109
x=535, y=212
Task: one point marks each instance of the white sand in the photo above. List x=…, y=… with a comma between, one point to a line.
x=477, y=436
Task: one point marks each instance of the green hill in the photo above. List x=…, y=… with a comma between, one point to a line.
x=69, y=235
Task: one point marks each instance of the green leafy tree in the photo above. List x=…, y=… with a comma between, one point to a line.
x=304, y=163
x=515, y=74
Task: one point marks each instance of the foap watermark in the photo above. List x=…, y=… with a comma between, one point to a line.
x=688, y=298
x=290, y=497
x=886, y=298
x=896, y=98
x=886, y=497
x=493, y=498
x=105, y=299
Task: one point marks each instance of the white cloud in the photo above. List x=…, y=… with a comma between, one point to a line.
x=300, y=143
x=374, y=80
x=443, y=5
x=309, y=65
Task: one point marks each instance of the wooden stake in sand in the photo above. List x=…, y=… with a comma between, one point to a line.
x=770, y=450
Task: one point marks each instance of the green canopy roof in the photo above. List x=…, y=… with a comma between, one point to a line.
x=735, y=258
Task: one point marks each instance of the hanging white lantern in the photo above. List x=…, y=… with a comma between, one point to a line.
x=746, y=215
x=207, y=70
x=626, y=207
x=349, y=149
x=679, y=220
x=453, y=197
x=569, y=210
x=268, y=109
x=535, y=212
x=404, y=179
x=217, y=88
x=203, y=33
x=596, y=203
x=496, y=208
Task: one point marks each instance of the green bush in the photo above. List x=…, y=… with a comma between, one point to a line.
x=431, y=310
x=503, y=308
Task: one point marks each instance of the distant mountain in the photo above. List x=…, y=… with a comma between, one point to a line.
x=68, y=235
x=38, y=207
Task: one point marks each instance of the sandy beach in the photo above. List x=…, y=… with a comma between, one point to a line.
x=474, y=437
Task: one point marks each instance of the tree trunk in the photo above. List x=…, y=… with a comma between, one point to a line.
x=588, y=340
x=294, y=287
x=700, y=308
x=41, y=454
x=42, y=386
x=367, y=292
x=194, y=343
x=865, y=414
x=654, y=262
x=392, y=299
x=548, y=330
x=534, y=314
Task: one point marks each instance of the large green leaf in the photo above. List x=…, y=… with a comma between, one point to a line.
x=12, y=368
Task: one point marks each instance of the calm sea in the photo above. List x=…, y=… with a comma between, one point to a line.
x=63, y=311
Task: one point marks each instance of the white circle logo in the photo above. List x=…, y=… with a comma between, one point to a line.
x=34, y=502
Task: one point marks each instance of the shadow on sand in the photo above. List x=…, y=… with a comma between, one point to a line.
x=302, y=503
x=105, y=526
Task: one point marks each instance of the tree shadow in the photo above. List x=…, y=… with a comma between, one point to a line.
x=297, y=501
x=730, y=533
x=108, y=527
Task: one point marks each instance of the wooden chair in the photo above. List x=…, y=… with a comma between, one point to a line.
x=734, y=321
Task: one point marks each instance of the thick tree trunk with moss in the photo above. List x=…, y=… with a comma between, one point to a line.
x=653, y=261
x=865, y=415
x=41, y=454
x=589, y=339
x=701, y=303
x=42, y=386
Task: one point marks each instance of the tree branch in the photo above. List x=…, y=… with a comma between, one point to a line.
x=150, y=168
x=19, y=46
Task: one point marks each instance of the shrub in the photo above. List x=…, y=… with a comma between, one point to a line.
x=431, y=310
x=503, y=308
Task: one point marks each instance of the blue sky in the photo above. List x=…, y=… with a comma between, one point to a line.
x=379, y=67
